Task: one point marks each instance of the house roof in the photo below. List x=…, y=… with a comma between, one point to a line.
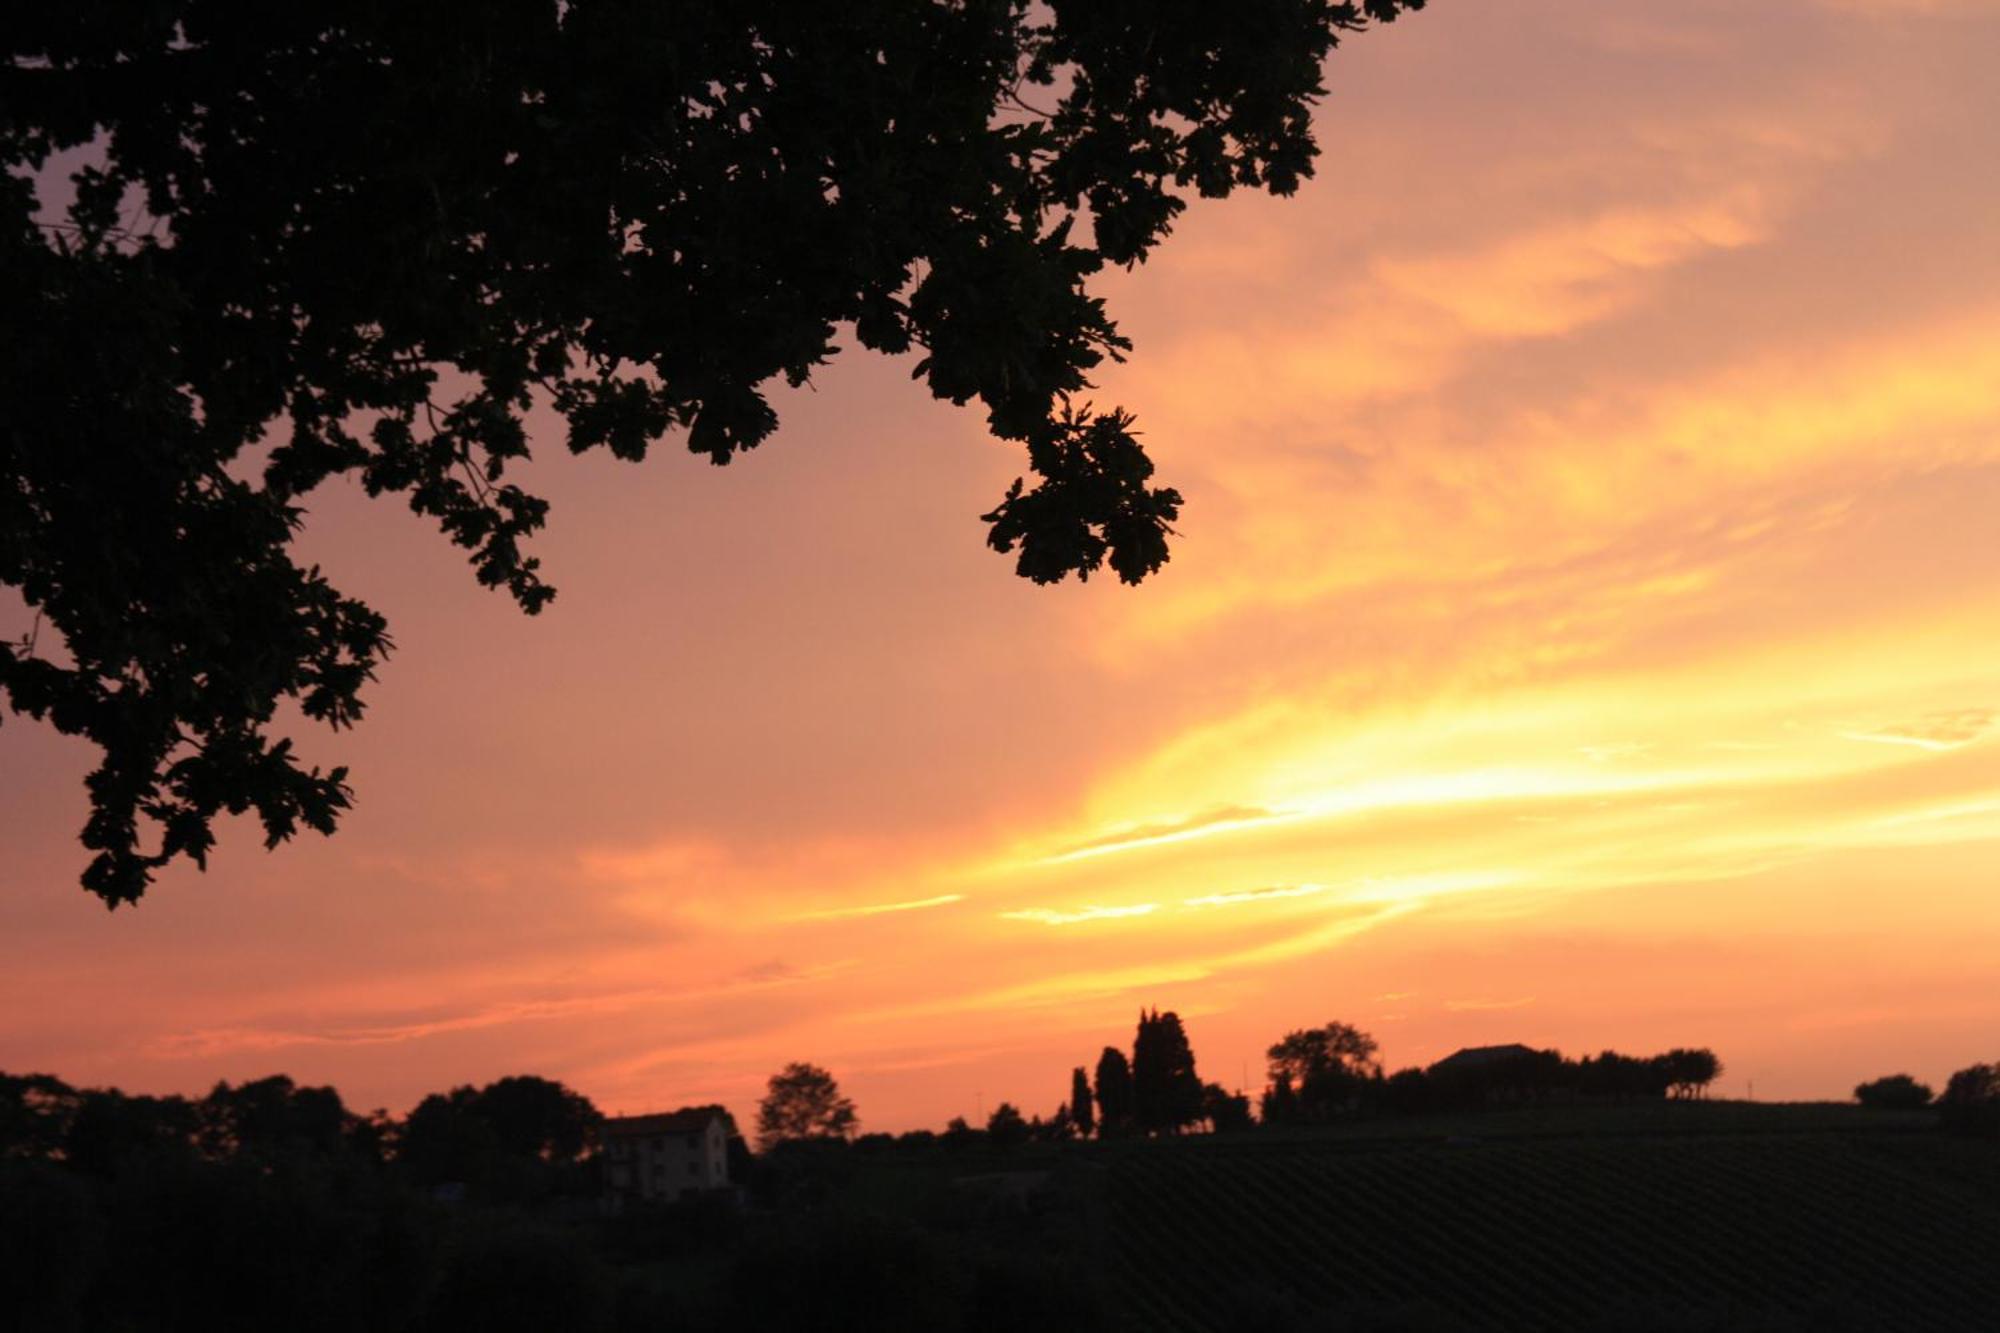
x=687, y=1120
x=1472, y=1057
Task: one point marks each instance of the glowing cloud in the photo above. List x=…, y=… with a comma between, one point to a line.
x=880, y=909
x=1257, y=895
x=1050, y=917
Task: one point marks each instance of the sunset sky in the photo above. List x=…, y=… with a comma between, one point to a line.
x=1582, y=632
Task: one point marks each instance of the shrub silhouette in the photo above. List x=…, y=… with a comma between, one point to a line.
x=1970, y=1103
x=1894, y=1092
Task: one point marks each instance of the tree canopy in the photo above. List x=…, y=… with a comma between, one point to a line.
x=1894, y=1092
x=471, y=1134
x=1114, y=1093
x=309, y=241
x=802, y=1101
x=1167, y=1093
x=1970, y=1102
x=1082, y=1106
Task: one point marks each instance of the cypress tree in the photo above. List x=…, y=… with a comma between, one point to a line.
x=1081, y=1114
x=1114, y=1093
x=1167, y=1093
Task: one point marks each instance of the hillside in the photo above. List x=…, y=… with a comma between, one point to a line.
x=1678, y=1216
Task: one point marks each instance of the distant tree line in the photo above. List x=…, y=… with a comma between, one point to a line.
x=1316, y=1076
x=271, y=1204
x=516, y=1137
x=1969, y=1104
x=268, y=1204
x=1156, y=1091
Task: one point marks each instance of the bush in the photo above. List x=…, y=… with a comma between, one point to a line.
x=1971, y=1102
x=1896, y=1092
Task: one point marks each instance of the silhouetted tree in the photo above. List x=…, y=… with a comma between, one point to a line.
x=1166, y=1090
x=1082, y=1112
x=35, y=1114
x=1114, y=1093
x=1056, y=1129
x=539, y=1117
x=803, y=1102
x=1895, y=1092
x=1970, y=1102
x=445, y=1139
x=485, y=1136
x=635, y=216
x=1615, y=1076
x=1280, y=1103
x=1409, y=1092
x=1325, y=1068
x=1313, y=1051
x=271, y=1118
x=1688, y=1072
x=1006, y=1128
x=1226, y=1112
x=110, y=1129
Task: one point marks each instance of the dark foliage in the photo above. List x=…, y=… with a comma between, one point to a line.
x=111, y=1130
x=801, y=1102
x=1006, y=1128
x=1082, y=1106
x=372, y=237
x=1970, y=1102
x=1409, y=1092
x=273, y=1118
x=1509, y=1077
x=262, y=1206
x=1166, y=1090
x=1329, y=1073
x=1688, y=1071
x=1226, y=1112
x=1280, y=1102
x=36, y=1111
x=516, y=1137
x=1894, y=1092
x=1323, y=1072
x=1114, y=1094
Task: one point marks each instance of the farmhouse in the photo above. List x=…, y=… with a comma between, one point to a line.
x=1499, y=1074
x=662, y=1157
x=1480, y=1059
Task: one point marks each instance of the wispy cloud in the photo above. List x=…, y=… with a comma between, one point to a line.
x=1555, y=278
x=1221, y=820
x=209, y=1042
x=881, y=909
x=1051, y=917
x=1936, y=732
x=1257, y=895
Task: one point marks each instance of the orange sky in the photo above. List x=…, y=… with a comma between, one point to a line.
x=1580, y=634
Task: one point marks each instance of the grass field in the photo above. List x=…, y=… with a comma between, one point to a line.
x=1720, y=1216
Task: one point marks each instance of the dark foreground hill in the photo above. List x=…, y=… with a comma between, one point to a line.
x=1648, y=1218
x=1665, y=1217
